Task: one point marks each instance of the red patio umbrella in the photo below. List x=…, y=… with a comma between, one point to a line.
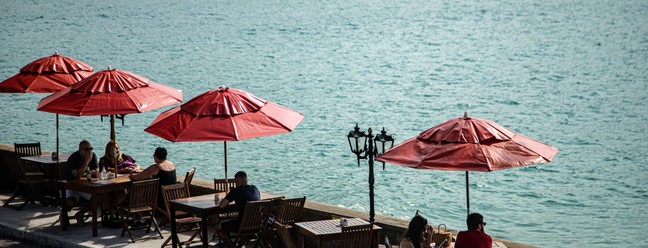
x=224, y=114
x=46, y=75
x=468, y=144
x=110, y=92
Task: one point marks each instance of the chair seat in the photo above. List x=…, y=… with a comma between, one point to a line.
x=189, y=220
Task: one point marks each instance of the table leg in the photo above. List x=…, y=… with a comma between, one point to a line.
x=65, y=220
x=174, y=233
x=301, y=240
x=203, y=229
x=93, y=208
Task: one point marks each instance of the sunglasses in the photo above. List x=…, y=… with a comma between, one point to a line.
x=88, y=148
x=484, y=223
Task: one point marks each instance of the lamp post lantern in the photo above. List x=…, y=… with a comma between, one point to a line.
x=366, y=146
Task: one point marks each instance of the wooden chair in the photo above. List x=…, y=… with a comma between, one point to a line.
x=357, y=236
x=30, y=176
x=143, y=199
x=189, y=177
x=284, y=235
x=184, y=221
x=254, y=220
x=27, y=149
x=290, y=210
x=221, y=186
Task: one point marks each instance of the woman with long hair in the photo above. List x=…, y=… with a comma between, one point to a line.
x=114, y=158
x=418, y=234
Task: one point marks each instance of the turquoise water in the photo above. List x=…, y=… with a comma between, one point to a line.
x=573, y=74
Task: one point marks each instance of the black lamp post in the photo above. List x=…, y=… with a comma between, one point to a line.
x=366, y=146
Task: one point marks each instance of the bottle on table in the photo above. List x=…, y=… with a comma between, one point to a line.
x=88, y=174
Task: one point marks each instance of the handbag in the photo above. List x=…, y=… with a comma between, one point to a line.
x=442, y=238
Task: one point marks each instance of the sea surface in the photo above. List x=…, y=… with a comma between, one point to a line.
x=572, y=74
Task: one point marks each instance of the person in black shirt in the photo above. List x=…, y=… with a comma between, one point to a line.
x=77, y=164
x=240, y=195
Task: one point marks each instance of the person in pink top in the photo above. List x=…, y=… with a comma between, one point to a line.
x=475, y=236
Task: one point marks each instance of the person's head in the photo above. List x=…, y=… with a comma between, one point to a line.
x=111, y=148
x=160, y=153
x=475, y=221
x=241, y=178
x=85, y=147
x=416, y=228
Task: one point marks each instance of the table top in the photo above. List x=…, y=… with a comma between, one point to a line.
x=329, y=227
x=94, y=183
x=44, y=159
x=206, y=202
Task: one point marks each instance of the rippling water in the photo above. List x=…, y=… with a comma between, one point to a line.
x=573, y=74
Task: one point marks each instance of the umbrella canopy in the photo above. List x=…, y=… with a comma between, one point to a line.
x=45, y=75
x=468, y=144
x=110, y=92
x=224, y=114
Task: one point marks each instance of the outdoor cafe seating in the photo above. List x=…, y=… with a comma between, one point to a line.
x=255, y=218
x=184, y=221
x=142, y=202
x=31, y=177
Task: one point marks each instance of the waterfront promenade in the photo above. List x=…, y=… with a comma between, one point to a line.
x=38, y=224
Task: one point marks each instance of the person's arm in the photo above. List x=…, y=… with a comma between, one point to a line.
x=81, y=170
x=406, y=243
x=428, y=236
x=146, y=174
x=223, y=203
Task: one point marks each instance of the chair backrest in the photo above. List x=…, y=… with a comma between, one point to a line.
x=357, y=236
x=284, y=234
x=172, y=192
x=289, y=210
x=144, y=193
x=221, y=186
x=189, y=176
x=27, y=149
x=255, y=217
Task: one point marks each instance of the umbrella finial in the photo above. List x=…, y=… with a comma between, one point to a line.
x=110, y=68
x=222, y=88
x=465, y=115
x=56, y=53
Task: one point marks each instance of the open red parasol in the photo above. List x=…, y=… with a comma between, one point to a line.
x=45, y=75
x=110, y=92
x=468, y=144
x=224, y=114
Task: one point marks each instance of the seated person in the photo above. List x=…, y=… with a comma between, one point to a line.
x=113, y=157
x=240, y=195
x=162, y=169
x=418, y=233
x=77, y=164
x=475, y=236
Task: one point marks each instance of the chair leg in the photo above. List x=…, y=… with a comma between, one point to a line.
x=157, y=228
x=16, y=193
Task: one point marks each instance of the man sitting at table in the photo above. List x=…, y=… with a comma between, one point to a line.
x=475, y=236
x=77, y=164
x=240, y=195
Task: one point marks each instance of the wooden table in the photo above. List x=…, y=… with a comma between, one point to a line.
x=53, y=169
x=202, y=206
x=49, y=165
x=94, y=187
x=328, y=230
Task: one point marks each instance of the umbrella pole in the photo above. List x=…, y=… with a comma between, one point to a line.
x=225, y=154
x=57, y=137
x=112, y=128
x=467, y=194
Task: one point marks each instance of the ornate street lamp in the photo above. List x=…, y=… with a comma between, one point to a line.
x=366, y=146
